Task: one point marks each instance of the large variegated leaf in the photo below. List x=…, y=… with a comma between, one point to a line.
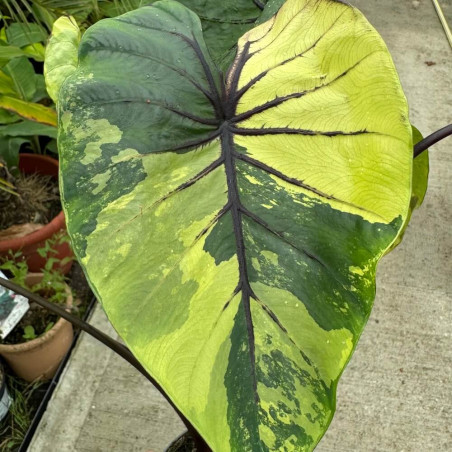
x=231, y=225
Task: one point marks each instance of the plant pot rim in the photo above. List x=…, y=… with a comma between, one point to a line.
x=45, y=231
x=36, y=236
x=37, y=342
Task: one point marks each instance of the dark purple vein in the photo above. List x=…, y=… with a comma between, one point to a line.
x=217, y=217
x=280, y=32
x=233, y=197
x=209, y=75
x=279, y=100
x=259, y=4
x=281, y=236
x=233, y=78
x=302, y=251
x=290, y=131
x=179, y=71
x=236, y=291
x=254, y=80
x=187, y=145
x=266, y=33
x=198, y=52
x=270, y=104
x=275, y=319
x=228, y=21
x=206, y=121
x=204, y=172
x=298, y=183
x=192, y=144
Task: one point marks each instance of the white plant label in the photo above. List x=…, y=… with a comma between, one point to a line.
x=12, y=308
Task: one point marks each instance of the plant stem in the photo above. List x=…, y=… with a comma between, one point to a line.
x=114, y=345
x=432, y=139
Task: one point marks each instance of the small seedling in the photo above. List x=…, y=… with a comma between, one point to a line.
x=29, y=333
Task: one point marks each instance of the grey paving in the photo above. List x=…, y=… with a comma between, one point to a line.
x=103, y=404
x=396, y=394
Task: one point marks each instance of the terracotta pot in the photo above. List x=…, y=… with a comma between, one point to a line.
x=40, y=357
x=29, y=244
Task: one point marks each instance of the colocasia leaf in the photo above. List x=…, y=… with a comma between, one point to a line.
x=231, y=223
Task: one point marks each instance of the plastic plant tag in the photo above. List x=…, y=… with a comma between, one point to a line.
x=12, y=308
x=5, y=402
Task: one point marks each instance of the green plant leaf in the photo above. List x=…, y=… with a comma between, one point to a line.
x=29, y=333
x=115, y=8
x=23, y=75
x=41, y=90
x=9, y=52
x=231, y=223
x=52, y=147
x=9, y=150
x=61, y=54
x=44, y=15
x=7, y=187
x=27, y=128
x=24, y=34
x=6, y=84
x=49, y=326
x=7, y=118
x=29, y=110
x=35, y=51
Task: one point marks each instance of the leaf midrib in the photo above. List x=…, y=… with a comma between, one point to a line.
x=227, y=151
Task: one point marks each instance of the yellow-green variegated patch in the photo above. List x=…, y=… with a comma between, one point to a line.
x=231, y=223
x=61, y=54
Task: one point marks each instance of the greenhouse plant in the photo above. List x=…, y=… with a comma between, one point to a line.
x=229, y=203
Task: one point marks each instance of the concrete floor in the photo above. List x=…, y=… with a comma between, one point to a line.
x=396, y=394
